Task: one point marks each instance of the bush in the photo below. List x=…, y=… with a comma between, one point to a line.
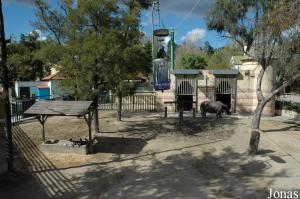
x=279, y=105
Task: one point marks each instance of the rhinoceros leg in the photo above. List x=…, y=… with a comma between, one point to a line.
x=203, y=114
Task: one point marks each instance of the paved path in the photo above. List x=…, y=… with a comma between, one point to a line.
x=149, y=157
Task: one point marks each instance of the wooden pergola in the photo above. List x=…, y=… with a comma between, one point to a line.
x=43, y=109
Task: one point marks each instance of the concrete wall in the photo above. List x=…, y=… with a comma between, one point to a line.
x=246, y=90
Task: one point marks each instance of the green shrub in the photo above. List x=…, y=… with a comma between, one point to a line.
x=286, y=106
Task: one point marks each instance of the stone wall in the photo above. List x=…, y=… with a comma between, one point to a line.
x=245, y=100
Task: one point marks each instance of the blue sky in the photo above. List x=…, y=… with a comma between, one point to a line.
x=186, y=16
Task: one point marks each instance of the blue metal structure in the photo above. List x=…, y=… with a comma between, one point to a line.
x=163, y=62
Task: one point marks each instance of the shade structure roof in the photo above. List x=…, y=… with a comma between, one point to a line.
x=60, y=108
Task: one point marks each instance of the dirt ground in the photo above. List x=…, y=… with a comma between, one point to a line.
x=147, y=156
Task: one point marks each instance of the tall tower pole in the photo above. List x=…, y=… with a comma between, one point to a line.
x=172, y=49
x=6, y=93
x=154, y=3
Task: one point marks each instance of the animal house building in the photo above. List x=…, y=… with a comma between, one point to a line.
x=235, y=87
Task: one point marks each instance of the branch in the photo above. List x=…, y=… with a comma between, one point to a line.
x=42, y=10
x=285, y=84
x=240, y=43
x=271, y=52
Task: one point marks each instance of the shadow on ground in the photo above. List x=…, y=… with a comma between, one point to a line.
x=39, y=177
x=289, y=128
x=227, y=175
x=118, y=145
x=190, y=126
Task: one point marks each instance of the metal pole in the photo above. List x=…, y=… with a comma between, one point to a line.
x=172, y=50
x=153, y=53
x=153, y=3
x=7, y=106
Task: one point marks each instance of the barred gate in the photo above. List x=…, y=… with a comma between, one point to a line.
x=186, y=86
x=225, y=85
x=131, y=102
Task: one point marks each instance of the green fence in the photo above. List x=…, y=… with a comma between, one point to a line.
x=19, y=106
x=132, y=102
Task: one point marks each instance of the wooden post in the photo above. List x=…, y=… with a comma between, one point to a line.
x=197, y=97
x=194, y=112
x=43, y=132
x=90, y=131
x=42, y=119
x=133, y=101
x=180, y=115
x=166, y=112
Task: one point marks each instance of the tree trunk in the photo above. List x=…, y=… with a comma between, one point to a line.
x=255, y=132
x=119, y=111
x=262, y=101
x=95, y=115
x=6, y=94
x=95, y=105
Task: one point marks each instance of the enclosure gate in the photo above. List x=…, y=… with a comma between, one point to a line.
x=186, y=91
x=131, y=102
x=225, y=91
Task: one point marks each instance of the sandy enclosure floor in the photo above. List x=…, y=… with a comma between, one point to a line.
x=147, y=156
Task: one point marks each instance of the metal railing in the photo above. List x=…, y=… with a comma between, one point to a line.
x=131, y=102
x=19, y=106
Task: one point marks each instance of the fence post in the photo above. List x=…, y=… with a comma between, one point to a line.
x=194, y=112
x=166, y=112
x=180, y=115
x=133, y=101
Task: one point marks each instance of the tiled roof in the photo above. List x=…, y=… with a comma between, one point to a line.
x=186, y=72
x=55, y=76
x=226, y=72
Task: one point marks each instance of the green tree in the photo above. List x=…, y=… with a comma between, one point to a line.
x=220, y=59
x=101, y=41
x=188, y=49
x=23, y=62
x=208, y=48
x=271, y=30
x=192, y=61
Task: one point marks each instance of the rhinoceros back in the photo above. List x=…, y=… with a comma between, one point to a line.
x=211, y=107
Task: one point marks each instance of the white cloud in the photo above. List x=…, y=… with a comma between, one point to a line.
x=41, y=36
x=194, y=35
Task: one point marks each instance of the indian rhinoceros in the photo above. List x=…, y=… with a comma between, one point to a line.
x=214, y=107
